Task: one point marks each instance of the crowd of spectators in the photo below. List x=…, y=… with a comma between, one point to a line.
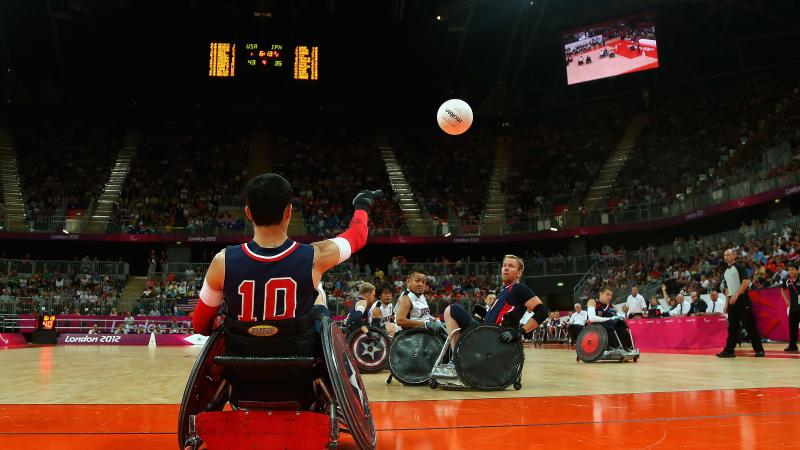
x=448, y=174
x=178, y=177
x=327, y=169
x=554, y=162
x=84, y=292
x=85, y=153
x=705, y=140
x=694, y=264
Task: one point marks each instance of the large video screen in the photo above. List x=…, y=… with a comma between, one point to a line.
x=612, y=48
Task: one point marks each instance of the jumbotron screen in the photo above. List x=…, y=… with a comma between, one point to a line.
x=612, y=48
x=263, y=60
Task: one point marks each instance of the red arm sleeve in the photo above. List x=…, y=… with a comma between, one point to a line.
x=203, y=318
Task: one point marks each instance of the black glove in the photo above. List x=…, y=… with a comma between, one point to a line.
x=365, y=199
x=510, y=335
x=320, y=311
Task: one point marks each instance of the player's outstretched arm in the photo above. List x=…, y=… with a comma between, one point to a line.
x=210, y=296
x=331, y=252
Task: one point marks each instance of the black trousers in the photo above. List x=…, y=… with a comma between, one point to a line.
x=740, y=314
x=621, y=329
x=574, y=331
x=794, y=322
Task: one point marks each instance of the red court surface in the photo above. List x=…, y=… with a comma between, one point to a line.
x=719, y=419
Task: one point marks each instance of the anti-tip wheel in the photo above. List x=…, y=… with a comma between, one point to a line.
x=434, y=384
x=517, y=386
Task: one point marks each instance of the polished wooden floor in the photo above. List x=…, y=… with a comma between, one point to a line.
x=127, y=398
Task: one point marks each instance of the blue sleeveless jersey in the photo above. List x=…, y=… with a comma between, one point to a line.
x=268, y=283
x=602, y=310
x=511, y=297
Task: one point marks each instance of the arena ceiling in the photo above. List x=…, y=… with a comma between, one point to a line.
x=503, y=55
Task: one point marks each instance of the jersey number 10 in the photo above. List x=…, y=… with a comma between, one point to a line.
x=277, y=292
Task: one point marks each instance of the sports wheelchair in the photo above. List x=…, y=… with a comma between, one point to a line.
x=412, y=356
x=593, y=345
x=371, y=350
x=480, y=361
x=287, y=385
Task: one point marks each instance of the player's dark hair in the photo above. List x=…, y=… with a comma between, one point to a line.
x=267, y=197
x=605, y=288
x=387, y=287
x=416, y=269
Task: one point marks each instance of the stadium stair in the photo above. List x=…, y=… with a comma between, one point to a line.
x=494, y=215
x=132, y=293
x=417, y=224
x=12, y=190
x=613, y=166
x=113, y=189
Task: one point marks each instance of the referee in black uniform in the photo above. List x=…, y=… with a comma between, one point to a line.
x=791, y=286
x=740, y=308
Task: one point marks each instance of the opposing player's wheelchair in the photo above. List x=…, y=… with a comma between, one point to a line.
x=593, y=345
x=371, y=350
x=480, y=361
x=278, y=400
x=412, y=355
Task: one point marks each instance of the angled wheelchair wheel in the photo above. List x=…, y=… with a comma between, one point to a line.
x=371, y=350
x=348, y=387
x=592, y=342
x=486, y=363
x=203, y=390
x=413, y=354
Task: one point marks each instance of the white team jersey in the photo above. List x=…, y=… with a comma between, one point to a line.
x=387, y=311
x=419, y=308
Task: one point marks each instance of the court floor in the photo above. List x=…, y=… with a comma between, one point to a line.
x=127, y=398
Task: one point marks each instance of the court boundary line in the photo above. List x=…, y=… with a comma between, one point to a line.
x=441, y=399
x=466, y=427
x=601, y=422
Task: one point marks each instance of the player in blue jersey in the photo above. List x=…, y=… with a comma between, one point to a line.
x=269, y=285
x=359, y=315
x=508, y=308
x=602, y=312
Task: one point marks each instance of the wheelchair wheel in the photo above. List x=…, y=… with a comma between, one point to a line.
x=486, y=363
x=413, y=354
x=592, y=342
x=348, y=387
x=204, y=381
x=371, y=350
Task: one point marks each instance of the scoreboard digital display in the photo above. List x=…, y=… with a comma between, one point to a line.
x=263, y=61
x=222, y=60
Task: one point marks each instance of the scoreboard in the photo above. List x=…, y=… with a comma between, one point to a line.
x=266, y=61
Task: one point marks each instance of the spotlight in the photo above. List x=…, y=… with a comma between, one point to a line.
x=553, y=229
x=447, y=235
x=63, y=230
x=438, y=18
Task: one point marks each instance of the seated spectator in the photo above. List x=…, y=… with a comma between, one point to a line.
x=635, y=303
x=577, y=321
x=716, y=303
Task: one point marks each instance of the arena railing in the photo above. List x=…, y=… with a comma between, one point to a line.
x=118, y=269
x=222, y=226
x=771, y=228
x=643, y=213
x=180, y=268
x=105, y=324
x=50, y=305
